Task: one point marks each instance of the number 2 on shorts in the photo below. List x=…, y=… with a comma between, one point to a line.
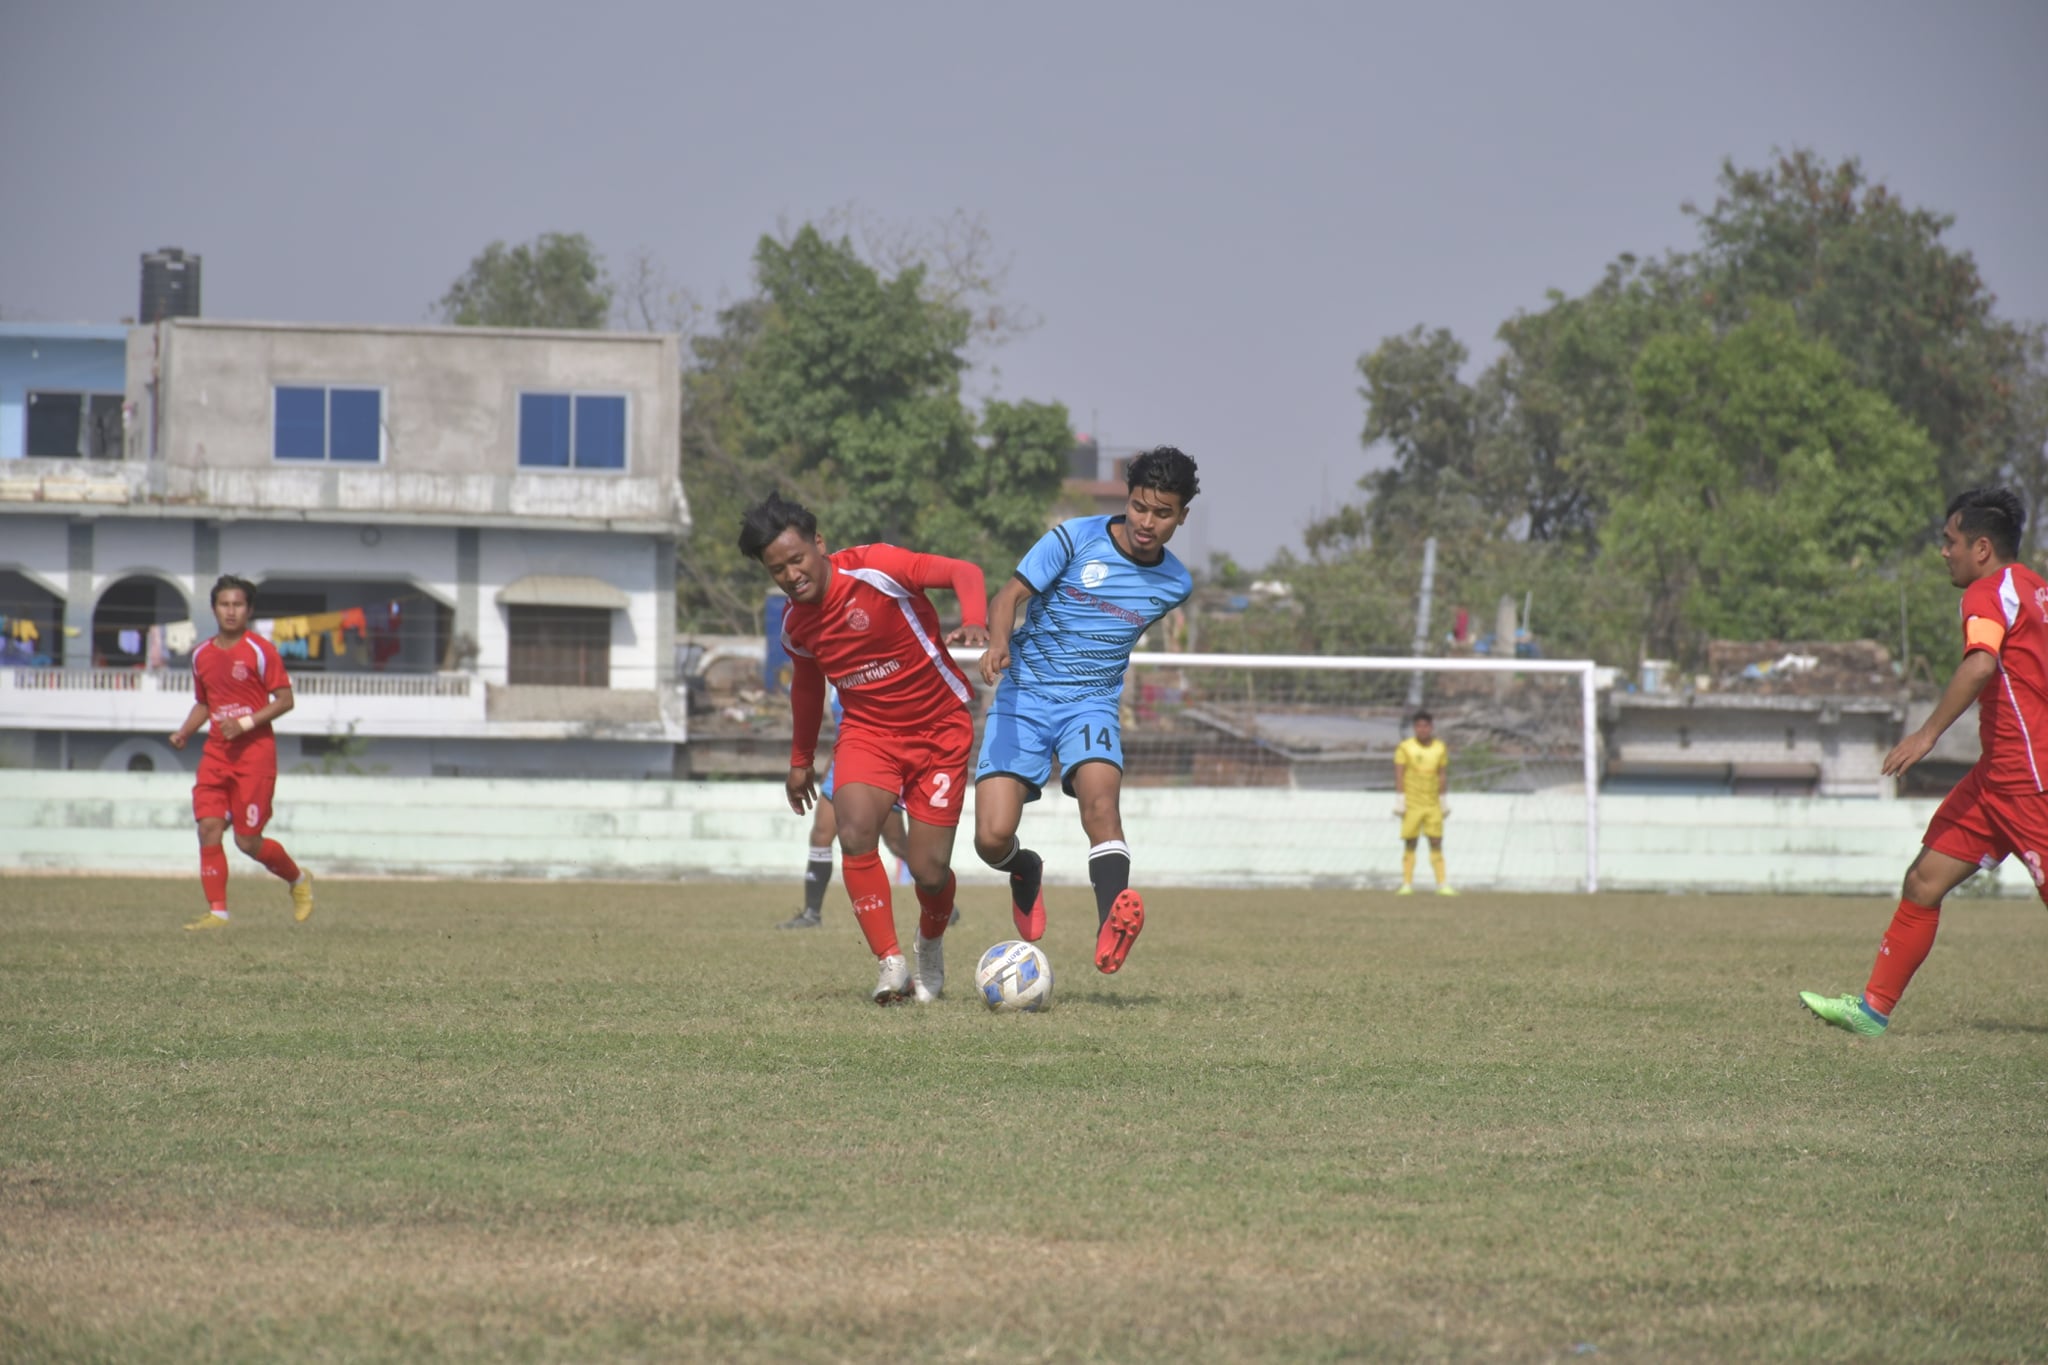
x=942, y=786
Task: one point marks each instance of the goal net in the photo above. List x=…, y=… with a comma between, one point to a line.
x=1295, y=754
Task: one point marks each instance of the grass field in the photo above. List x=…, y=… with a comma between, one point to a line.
x=465, y=1121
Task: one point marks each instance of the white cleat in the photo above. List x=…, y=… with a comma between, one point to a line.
x=931, y=969
x=894, y=982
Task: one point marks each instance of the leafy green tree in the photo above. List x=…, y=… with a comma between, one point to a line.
x=1912, y=317
x=557, y=280
x=841, y=386
x=1766, y=491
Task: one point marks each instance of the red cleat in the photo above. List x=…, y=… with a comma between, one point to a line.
x=1119, y=932
x=1030, y=923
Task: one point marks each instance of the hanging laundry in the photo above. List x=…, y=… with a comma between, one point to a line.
x=180, y=636
x=388, y=640
x=130, y=641
x=264, y=627
x=21, y=628
x=153, y=647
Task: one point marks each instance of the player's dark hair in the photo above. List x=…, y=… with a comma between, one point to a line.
x=1421, y=716
x=1163, y=469
x=1997, y=514
x=769, y=518
x=227, y=582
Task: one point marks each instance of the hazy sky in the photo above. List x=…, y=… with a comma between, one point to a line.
x=1215, y=209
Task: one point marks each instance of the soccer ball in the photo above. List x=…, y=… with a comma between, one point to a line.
x=1014, y=976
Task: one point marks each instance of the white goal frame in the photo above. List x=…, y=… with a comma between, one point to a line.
x=1586, y=669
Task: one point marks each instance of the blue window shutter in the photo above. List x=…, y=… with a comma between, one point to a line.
x=355, y=416
x=600, y=433
x=544, y=430
x=301, y=429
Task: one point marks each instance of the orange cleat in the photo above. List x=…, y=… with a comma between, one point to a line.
x=1030, y=923
x=1119, y=932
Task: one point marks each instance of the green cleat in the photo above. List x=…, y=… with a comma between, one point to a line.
x=1846, y=1011
x=1406, y=890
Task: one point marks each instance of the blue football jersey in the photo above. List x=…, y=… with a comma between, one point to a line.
x=1094, y=601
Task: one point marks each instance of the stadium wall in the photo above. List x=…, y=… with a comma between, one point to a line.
x=654, y=830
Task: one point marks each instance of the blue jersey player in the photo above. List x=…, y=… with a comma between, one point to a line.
x=1093, y=586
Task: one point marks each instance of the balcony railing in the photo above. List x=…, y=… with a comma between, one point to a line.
x=424, y=705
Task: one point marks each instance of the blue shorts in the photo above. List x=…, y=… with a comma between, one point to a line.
x=1024, y=733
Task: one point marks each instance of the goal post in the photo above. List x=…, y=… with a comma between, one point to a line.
x=1330, y=722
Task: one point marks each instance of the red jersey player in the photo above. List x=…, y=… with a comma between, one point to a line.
x=2001, y=806
x=860, y=619
x=241, y=686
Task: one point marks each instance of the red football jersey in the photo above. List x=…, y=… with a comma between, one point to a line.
x=2006, y=614
x=876, y=637
x=238, y=681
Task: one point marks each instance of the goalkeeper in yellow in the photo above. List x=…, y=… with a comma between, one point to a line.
x=1422, y=775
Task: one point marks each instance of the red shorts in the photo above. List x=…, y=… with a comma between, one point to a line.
x=238, y=790
x=1981, y=826
x=925, y=769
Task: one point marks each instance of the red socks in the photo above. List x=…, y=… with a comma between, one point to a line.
x=867, y=884
x=213, y=869
x=213, y=875
x=934, y=913
x=273, y=856
x=1906, y=945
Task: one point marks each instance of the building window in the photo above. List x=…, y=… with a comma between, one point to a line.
x=572, y=431
x=329, y=424
x=72, y=425
x=559, y=646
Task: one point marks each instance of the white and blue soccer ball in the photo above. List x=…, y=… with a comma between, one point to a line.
x=1015, y=975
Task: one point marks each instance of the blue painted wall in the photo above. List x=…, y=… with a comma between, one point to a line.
x=58, y=358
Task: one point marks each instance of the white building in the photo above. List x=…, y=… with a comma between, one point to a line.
x=501, y=507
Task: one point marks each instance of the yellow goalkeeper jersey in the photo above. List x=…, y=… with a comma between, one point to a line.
x=1420, y=764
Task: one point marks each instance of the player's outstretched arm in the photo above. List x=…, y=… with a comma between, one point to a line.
x=1971, y=674
x=1002, y=619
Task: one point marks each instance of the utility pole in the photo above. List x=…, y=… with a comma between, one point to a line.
x=1422, y=619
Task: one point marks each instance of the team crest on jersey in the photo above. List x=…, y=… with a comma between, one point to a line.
x=857, y=619
x=1093, y=573
x=2041, y=603
x=241, y=671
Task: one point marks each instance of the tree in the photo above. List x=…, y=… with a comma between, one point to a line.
x=1872, y=277
x=557, y=280
x=1767, y=491
x=840, y=385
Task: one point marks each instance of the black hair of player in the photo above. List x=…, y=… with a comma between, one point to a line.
x=1163, y=469
x=769, y=518
x=1421, y=716
x=227, y=582
x=1997, y=514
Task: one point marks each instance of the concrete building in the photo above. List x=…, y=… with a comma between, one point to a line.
x=479, y=524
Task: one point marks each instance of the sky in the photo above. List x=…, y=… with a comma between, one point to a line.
x=1213, y=210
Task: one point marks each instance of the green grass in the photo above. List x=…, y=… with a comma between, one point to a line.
x=463, y=1121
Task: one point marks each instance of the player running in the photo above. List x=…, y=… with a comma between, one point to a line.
x=1422, y=777
x=1094, y=585
x=860, y=618
x=2001, y=805
x=241, y=687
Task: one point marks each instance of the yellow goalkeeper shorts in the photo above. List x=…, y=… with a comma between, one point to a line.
x=1423, y=821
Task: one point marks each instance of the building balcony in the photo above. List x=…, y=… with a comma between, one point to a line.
x=370, y=705
x=563, y=500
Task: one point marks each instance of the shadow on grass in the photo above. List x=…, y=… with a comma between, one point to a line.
x=2007, y=1026
x=1108, y=1000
